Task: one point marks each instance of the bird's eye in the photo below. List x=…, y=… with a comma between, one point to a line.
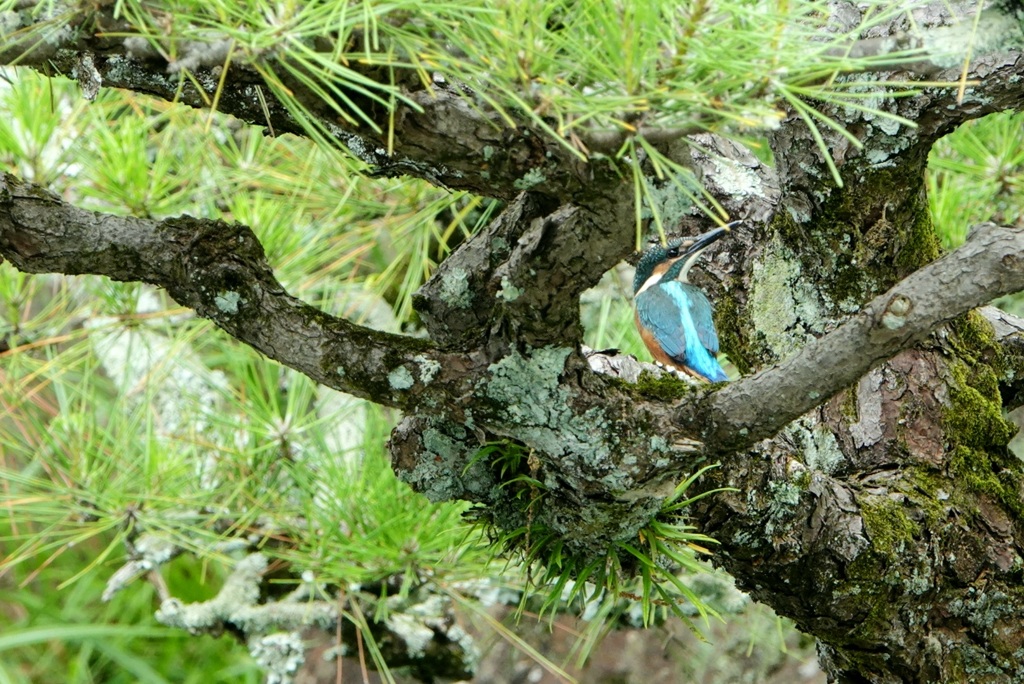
x=673, y=253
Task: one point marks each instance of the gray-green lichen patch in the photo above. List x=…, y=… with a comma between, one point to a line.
x=920, y=581
x=442, y=474
x=508, y=291
x=783, y=307
x=874, y=105
x=736, y=180
x=400, y=378
x=798, y=212
x=533, y=177
x=528, y=393
x=782, y=501
x=151, y=551
x=421, y=624
x=228, y=301
x=280, y=654
x=820, y=450
x=499, y=245
x=870, y=102
x=9, y=22
x=429, y=368
x=238, y=604
x=983, y=609
x=526, y=385
x=885, y=151
x=783, y=495
x=888, y=125
x=582, y=440
x=416, y=635
x=455, y=289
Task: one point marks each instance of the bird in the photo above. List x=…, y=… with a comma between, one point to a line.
x=673, y=316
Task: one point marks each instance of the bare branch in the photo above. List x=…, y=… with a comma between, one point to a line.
x=989, y=264
x=220, y=270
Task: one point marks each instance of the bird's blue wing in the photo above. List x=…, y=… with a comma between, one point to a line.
x=700, y=311
x=658, y=311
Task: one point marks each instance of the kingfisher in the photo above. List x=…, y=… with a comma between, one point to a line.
x=673, y=316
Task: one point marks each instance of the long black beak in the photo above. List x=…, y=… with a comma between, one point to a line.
x=704, y=240
x=699, y=244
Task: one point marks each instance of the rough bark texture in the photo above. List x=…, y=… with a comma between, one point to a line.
x=875, y=504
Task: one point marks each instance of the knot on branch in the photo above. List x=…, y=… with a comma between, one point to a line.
x=895, y=315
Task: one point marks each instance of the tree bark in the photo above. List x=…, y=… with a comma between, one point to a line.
x=876, y=503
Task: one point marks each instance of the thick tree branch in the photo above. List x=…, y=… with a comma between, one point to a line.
x=438, y=135
x=455, y=304
x=220, y=270
x=988, y=265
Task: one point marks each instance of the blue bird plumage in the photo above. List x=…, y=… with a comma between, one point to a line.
x=673, y=316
